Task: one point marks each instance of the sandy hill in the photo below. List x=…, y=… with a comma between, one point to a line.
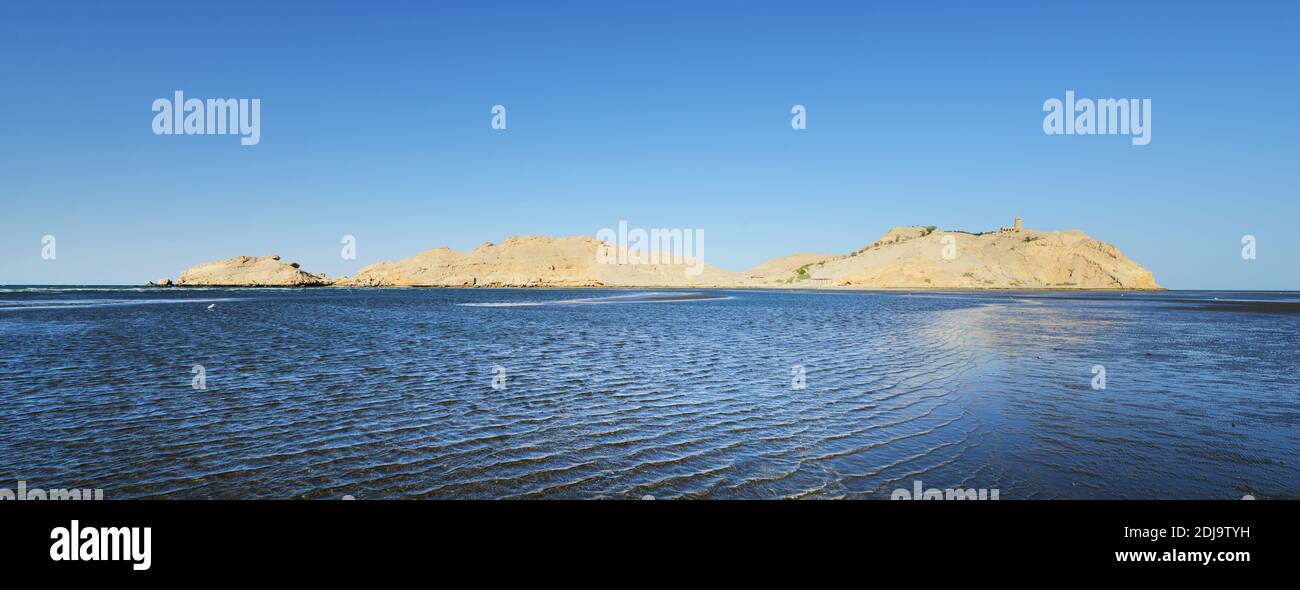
x=778, y=269
x=923, y=257
x=250, y=271
x=532, y=261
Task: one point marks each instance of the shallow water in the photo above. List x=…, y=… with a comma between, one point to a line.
x=317, y=393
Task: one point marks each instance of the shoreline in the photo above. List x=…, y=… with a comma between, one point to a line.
x=676, y=288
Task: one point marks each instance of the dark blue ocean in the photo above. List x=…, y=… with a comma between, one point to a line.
x=377, y=393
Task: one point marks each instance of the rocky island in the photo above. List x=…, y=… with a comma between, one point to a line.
x=248, y=271
x=912, y=257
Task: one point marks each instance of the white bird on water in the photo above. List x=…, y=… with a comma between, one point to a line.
x=211, y=306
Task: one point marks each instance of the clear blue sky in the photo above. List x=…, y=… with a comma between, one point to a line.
x=376, y=123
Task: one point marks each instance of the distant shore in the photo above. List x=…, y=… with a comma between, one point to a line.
x=677, y=288
x=905, y=258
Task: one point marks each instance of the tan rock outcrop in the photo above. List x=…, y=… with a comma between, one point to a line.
x=249, y=271
x=536, y=261
x=914, y=258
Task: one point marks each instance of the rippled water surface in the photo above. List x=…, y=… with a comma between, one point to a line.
x=619, y=394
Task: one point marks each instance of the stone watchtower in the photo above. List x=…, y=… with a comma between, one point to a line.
x=1020, y=225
